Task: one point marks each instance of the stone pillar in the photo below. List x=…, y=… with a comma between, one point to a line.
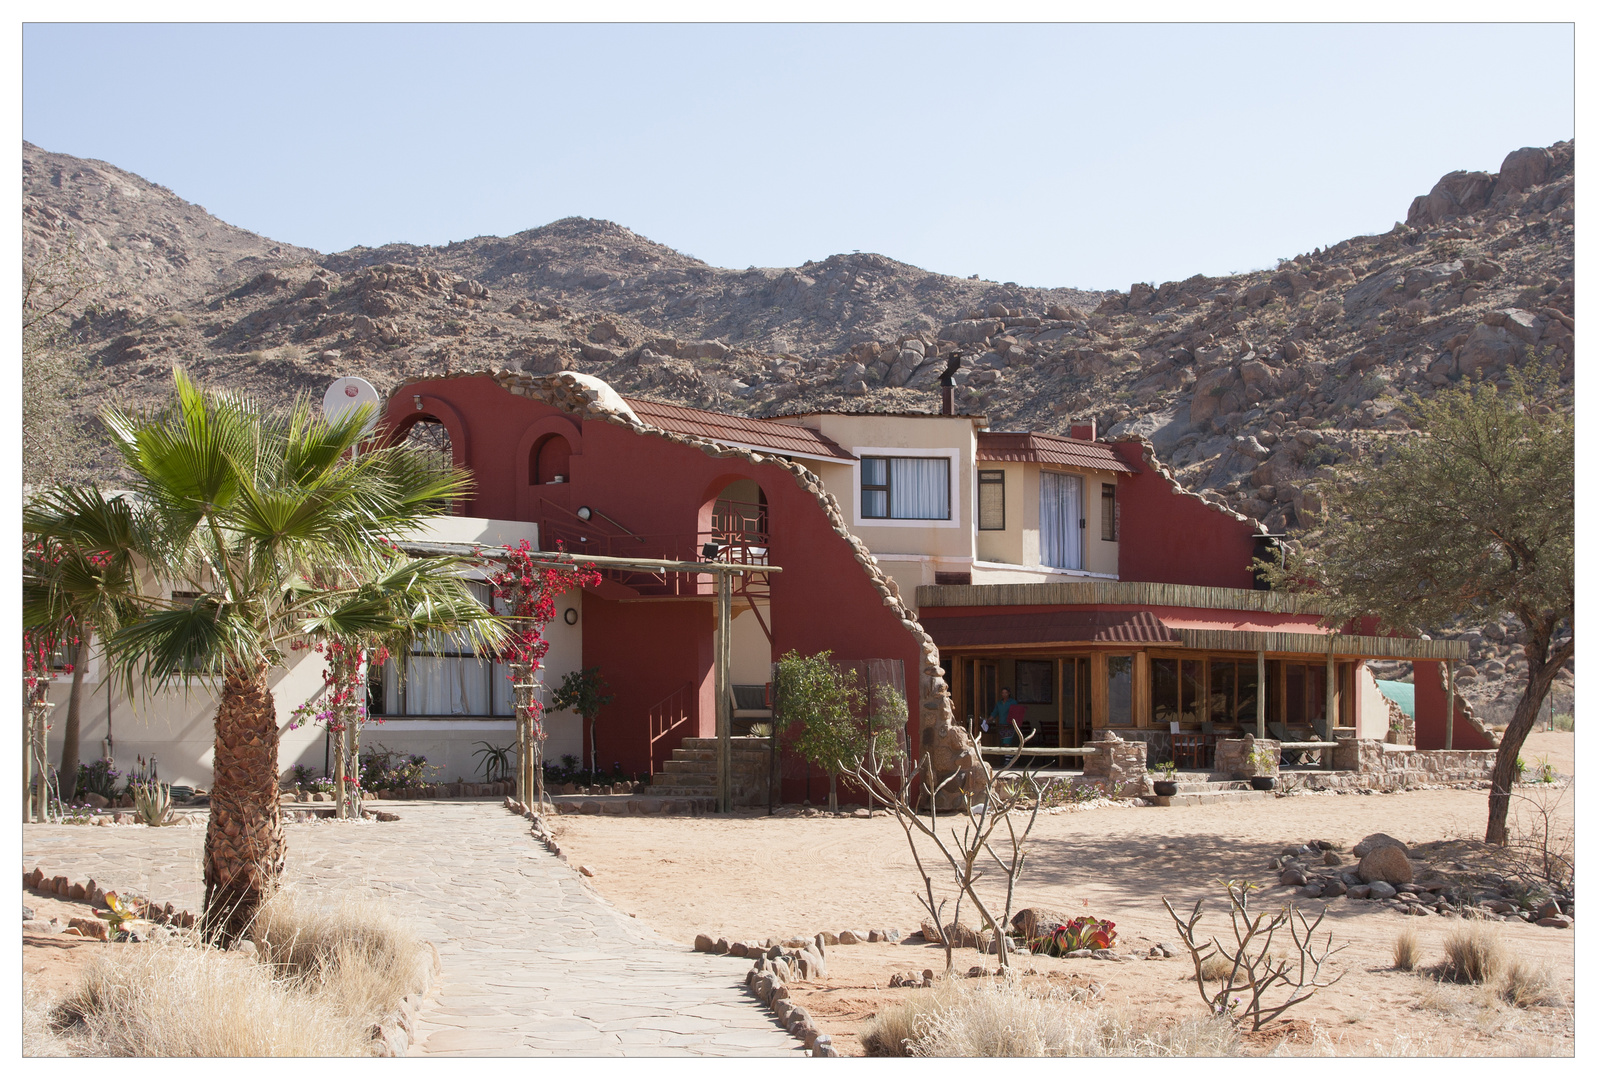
x=1235, y=757
x=1118, y=762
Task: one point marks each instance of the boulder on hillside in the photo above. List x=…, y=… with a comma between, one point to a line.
x=1456, y=194
x=1486, y=347
x=1527, y=167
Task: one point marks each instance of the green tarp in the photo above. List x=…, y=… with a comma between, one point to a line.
x=1402, y=693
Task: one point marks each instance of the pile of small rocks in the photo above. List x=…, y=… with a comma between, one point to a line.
x=1385, y=874
x=721, y=946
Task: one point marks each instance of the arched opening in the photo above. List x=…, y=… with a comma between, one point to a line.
x=429, y=435
x=740, y=520
x=550, y=462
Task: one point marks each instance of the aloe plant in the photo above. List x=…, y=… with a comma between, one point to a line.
x=152, y=803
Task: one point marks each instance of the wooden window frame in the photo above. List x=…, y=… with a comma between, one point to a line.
x=1109, y=509
x=887, y=488
x=985, y=477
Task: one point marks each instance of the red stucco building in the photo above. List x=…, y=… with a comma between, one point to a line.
x=1071, y=572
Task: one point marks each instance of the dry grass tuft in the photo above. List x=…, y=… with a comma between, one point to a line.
x=184, y=1000
x=1474, y=953
x=1406, y=950
x=323, y=975
x=1525, y=983
x=892, y=1030
x=999, y=1017
x=353, y=951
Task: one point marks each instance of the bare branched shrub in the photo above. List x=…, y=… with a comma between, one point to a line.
x=1406, y=950
x=354, y=951
x=183, y=1000
x=1541, y=841
x=981, y=836
x=1473, y=953
x=1250, y=970
x=999, y=1017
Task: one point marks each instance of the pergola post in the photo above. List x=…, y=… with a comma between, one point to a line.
x=1259, y=698
x=723, y=690
x=1330, y=691
x=1447, y=667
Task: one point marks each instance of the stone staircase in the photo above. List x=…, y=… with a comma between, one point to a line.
x=691, y=771
x=1194, y=790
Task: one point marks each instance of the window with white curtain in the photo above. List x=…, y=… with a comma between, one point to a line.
x=904, y=487
x=444, y=677
x=1061, y=522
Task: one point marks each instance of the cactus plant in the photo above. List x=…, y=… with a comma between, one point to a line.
x=152, y=803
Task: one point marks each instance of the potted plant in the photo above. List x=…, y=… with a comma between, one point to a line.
x=1260, y=764
x=1167, y=784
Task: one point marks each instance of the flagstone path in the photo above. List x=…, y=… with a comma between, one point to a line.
x=534, y=961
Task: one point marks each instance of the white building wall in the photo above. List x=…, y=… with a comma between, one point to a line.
x=177, y=727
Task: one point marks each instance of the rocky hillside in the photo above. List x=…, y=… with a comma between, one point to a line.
x=1250, y=386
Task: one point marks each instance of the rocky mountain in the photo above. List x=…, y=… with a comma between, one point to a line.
x=1250, y=386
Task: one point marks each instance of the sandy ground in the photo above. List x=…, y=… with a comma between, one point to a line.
x=753, y=877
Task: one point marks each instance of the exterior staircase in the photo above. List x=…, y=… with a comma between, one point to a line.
x=1197, y=790
x=690, y=772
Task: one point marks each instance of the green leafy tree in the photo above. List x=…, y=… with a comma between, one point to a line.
x=583, y=693
x=1474, y=516
x=818, y=705
x=276, y=526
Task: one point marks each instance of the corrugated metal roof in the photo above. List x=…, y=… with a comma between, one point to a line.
x=1048, y=628
x=738, y=430
x=1048, y=450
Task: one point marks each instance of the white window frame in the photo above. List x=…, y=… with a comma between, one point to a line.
x=956, y=495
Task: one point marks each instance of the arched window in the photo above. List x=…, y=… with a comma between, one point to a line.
x=551, y=461
x=428, y=433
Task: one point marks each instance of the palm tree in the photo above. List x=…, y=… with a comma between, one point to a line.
x=273, y=527
x=77, y=582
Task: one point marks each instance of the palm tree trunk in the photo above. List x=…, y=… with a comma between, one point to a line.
x=244, y=844
x=71, y=733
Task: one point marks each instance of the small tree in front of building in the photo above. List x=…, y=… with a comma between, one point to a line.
x=818, y=705
x=583, y=692
x=1473, y=516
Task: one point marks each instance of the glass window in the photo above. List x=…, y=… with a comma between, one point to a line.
x=1222, y=691
x=1061, y=520
x=911, y=488
x=1110, y=513
x=1120, y=679
x=444, y=677
x=1034, y=682
x=990, y=501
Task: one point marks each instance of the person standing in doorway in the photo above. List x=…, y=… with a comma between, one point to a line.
x=999, y=718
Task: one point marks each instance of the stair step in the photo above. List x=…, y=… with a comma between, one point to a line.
x=1207, y=798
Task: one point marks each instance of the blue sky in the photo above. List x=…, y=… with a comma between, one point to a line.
x=1048, y=155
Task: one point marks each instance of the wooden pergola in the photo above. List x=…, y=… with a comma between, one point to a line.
x=529, y=787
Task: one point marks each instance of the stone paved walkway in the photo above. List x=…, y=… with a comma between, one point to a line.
x=535, y=962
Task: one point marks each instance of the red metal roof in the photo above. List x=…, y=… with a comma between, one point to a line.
x=1021, y=630
x=1048, y=449
x=739, y=430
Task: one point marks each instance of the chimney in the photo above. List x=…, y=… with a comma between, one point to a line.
x=1086, y=430
x=947, y=379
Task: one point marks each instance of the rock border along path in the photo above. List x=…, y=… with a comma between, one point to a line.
x=534, y=961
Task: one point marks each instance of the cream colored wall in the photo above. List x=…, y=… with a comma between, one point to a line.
x=1020, y=544
x=1373, y=721
x=751, y=649
x=868, y=434
x=1007, y=546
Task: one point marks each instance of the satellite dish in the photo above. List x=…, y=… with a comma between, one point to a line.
x=348, y=394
